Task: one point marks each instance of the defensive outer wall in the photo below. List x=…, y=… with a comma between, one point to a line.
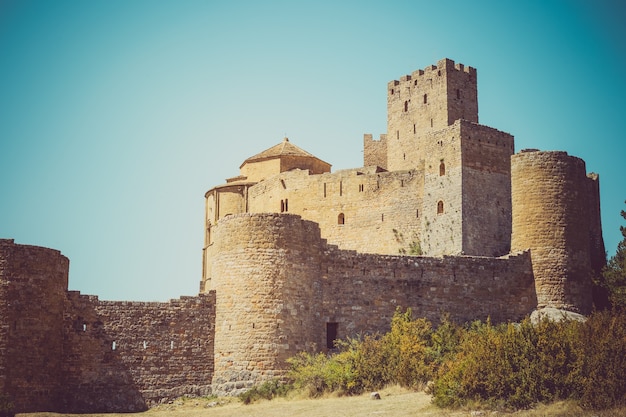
x=515, y=232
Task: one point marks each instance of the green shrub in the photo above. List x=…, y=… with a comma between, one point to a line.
x=603, y=345
x=266, y=391
x=318, y=373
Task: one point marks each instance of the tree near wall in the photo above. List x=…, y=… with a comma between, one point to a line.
x=614, y=273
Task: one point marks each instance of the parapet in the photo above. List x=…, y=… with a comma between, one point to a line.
x=446, y=64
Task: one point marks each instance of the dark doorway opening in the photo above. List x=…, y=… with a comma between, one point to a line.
x=331, y=335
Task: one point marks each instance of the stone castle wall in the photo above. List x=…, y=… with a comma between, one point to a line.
x=280, y=285
x=550, y=194
x=266, y=272
x=349, y=205
x=428, y=100
x=126, y=356
x=375, y=151
x=57, y=349
x=296, y=256
x=33, y=281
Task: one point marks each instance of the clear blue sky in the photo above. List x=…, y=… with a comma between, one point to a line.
x=117, y=116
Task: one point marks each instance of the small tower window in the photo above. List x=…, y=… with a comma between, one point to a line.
x=282, y=206
x=341, y=219
x=442, y=169
x=425, y=98
x=440, y=207
x=406, y=106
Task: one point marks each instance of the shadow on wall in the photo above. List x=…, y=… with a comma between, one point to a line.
x=97, y=377
x=128, y=356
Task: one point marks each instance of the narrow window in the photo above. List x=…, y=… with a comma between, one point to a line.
x=340, y=187
x=331, y=335
x=282, y=182
x=392, y=91
x=361, y=188
x=286, y=205
x=442, y=169
x=417, y=213
x=397, y=134
x=282, y=206
x=324, y=190
x=113, y=345
x=439, y=73
x=413, y=128
x=431, y=122
x=382, y=217
x=440, y=207
x=404, y=156
x=401, y=183
x=341, y=219
x=425, y=98
x=84, y=327
x=406, y=106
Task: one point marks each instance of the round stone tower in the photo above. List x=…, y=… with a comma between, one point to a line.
x=550, y=217
x=33, y=285
x=265, y=270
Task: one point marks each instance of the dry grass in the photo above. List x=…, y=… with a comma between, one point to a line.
x=394, y=402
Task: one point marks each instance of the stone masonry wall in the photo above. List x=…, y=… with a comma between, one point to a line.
x=425, y=101
x=125, y=356
x=266, y=277
x=33, y=281
x=278, y=286
x=486, y=190
x=375, y=151
x=551, y=218
x=359, y=209
x=361, y=292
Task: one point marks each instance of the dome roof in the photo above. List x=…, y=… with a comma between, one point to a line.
x=285, y=148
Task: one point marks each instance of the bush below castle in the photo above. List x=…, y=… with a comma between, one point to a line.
x=506, y=366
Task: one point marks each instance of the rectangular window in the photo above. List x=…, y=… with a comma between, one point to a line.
x=331, y=335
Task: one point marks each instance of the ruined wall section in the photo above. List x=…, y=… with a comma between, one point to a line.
x=125, y=356
x=362, y=292
x=550, y=215
x=33, y=281
x=375, y=151
x=486, y=189
x=359, y=209
x=266, y=274
x=425, y=101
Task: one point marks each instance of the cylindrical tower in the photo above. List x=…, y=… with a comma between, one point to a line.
x=550, y=217
x=266, y=275
x=33, y=285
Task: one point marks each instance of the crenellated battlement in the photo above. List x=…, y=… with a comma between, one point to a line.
x=443, y=66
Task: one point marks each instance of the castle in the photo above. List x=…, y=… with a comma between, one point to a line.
x=443, y=217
